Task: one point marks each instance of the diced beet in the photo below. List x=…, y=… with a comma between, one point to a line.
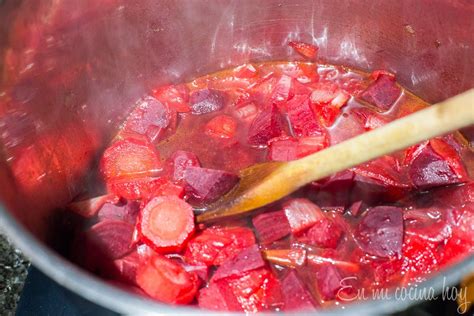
x=135, y=188
x=215, y=245
x=179, y=161
x=130, y=158
x=211, y=298
x=89, y=208
x=450, y=155
x=429, y=170
x=166, y=281
x=325, y=233
x=266, y=125
x=175, y=97
x=255, y=291
x=126, y=267
x=248, y=259
x=282, y=149
x=207, y=185
x=166, y=222
x=207, y=101
x=271, y=226
x=302, y=119
x=111, y=238
x=306, y=50
x=127, y=212
x=383, y=92
x=295, y=293
x=150, y=117
x=301, y=214
x=221, y=126
x=329, y=280
x=380, y=231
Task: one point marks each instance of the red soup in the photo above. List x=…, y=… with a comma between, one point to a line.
x=390, y=222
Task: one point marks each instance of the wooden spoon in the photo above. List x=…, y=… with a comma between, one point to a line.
x=267, y=182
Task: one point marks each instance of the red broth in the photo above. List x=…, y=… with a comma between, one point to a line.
x=390, y=222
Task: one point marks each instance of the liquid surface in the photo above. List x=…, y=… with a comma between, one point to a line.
x=390, y=222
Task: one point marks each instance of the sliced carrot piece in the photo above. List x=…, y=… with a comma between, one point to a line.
x=130, y=158
x=166, y=281
x=166, y=222
x=222, y=126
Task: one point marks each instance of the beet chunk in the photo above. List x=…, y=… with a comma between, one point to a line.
x=249, y=259
x=330, y=281
x=301, y=116
x=207, y=185
x=380, y=232
x=126, y=213
x=150, y=117
x=207, y=101
x=110, y=238
x=302, y=214
x=265, y=126
x=326, y=233
x=382, y=93
x=429, y=170
x=179, y=161
x=296, y=295
x=271, y=226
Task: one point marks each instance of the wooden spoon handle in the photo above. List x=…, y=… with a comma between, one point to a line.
x=436, y=120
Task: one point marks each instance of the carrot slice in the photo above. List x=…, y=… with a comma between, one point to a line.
x=166, y=281
x=166, y=223
x=130, y=158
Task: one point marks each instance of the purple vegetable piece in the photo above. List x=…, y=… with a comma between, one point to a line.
x=295, y=294
x=429, y=170
x=249, y=259
x=126, y=213
x=329, y=280
x=206, y=185
x=207, y=101
x=110, y=239
x=380, y=231
x=265, y=126
x=179, y=161
x=382, y=93
x=271, y=226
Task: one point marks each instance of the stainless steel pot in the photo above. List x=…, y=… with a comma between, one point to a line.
x=71, y=68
